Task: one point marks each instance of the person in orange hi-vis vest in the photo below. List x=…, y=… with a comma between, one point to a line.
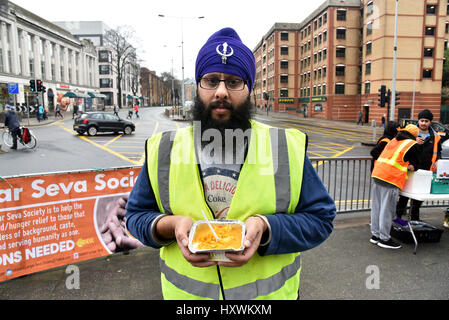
x=429, y=146
x=389, y=176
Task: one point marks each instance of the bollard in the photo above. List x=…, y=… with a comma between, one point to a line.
x=374, y=130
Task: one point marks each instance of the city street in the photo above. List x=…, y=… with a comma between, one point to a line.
x=61, y=149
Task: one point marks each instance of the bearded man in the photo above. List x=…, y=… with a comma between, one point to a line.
x=228, y=166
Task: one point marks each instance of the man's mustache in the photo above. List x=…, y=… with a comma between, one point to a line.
x=221, y=104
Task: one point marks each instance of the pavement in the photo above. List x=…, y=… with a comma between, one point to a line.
x=345, y=267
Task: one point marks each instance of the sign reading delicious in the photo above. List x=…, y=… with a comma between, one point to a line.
x=54, y=220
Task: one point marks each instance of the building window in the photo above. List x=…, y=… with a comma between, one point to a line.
x=1, y=60
x=430, y=31
x=284, y=78
x=340, y=71
x=367, y=87
x=325, y=17
x=106, y=83
x=31, y=62
x=43, y=70
x=104, y=56
x=284, y=36
x=339, y=88
x=284, y=93
x=428, y=52
x=369, y=8
x=368, y=68
x=324, y=89
x=105, y=69
x=284, y=64
x=431, y=9
x=427, y=74
x=340, y=52
x=369, y=28
x=369, y=47
x=341, y=33
x=341, y=15
x=284, y=50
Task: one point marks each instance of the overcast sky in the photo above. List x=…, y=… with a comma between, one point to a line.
x=160, y=38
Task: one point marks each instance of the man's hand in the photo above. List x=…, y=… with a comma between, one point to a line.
x=255, y=227
x=420, y=140
x=178, y=227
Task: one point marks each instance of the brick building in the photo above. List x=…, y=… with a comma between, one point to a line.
x=332, y=64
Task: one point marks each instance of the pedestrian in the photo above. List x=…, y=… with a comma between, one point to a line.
x=136, y=109
x=58, y=111
x=360, y=121
x=75, y=111
x=429, y=146
x=389, y=176
x=280, y=198
x=130, y=112
x=383, y=121
x=13, y=124
x=390, y=132
x=40, y=113
x=45, y=117
x=116, y=110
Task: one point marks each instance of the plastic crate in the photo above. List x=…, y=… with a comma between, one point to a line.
x=424, y=232
x=439, y=186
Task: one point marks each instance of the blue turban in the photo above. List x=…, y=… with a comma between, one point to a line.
x=225, y=52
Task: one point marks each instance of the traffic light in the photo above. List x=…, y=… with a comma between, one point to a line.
x=382, y=96
x=266, y=96
x=39, y=85
x=44, y=89
x=397, y=98
x=33, y=85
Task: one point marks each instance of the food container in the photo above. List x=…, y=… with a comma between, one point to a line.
x=418, y=182
x=230, y=232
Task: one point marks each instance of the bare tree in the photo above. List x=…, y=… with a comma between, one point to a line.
x=172, y=97
x=123, y=53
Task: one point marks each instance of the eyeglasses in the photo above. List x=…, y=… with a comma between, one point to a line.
x=231, y=84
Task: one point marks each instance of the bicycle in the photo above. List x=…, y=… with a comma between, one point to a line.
x=7, y=138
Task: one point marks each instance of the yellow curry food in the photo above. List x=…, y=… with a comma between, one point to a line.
x=230, y=237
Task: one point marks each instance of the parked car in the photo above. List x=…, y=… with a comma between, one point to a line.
x=94, y=122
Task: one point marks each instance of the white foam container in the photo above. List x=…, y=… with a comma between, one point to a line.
x=216, y=254
x=418, y=182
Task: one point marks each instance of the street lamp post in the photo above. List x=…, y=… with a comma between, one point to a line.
x=395, y=56
x=182, y=49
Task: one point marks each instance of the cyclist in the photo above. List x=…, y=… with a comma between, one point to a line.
x=13, y=124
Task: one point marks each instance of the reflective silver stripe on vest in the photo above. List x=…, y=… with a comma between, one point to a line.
x=164, y=155
x=263, y=287
x=258, y=288
x=281, y=169
x=189, y=285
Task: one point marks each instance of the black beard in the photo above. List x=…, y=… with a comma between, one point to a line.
x=240, y=115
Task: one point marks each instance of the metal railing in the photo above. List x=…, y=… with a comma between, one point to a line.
x=348, y=181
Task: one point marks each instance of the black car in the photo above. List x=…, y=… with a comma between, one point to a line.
x=94, y=122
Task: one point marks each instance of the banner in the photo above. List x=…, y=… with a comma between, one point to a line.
x=53, y=220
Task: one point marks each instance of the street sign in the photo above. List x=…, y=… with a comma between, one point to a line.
x=13, y=88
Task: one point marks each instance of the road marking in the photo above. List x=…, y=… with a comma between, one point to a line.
x=99, y=145
x=115, y=139
x=142, y=158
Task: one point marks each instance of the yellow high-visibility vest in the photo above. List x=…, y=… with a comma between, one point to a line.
x=269, y=182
